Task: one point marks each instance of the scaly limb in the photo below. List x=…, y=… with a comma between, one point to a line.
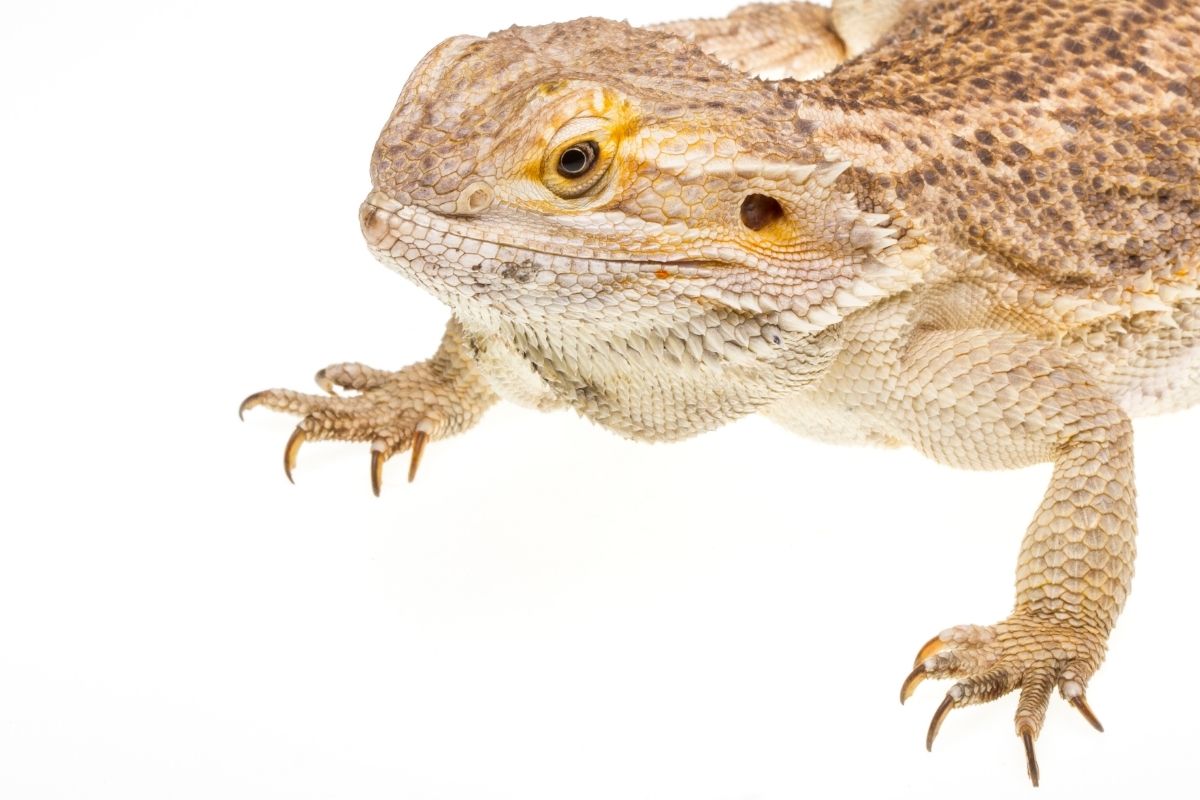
x=793, y=40
x=991, y=399
x=394, y=411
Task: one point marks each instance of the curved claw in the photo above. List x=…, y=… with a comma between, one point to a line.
x=930, y=648
x=291, y=450
x=1031, y=764
x=936, y=723
x=249, y=403
x=420, y=438
x=1080, y=702
x=377, y=460
x=911, y=683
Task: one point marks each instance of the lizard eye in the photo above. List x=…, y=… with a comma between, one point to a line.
x=575, y=166
x=577, y=159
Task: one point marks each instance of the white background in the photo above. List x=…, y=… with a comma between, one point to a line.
x=549, y=612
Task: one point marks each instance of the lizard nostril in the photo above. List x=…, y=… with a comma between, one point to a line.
x=759, y=211
x=474, y=199
x=374, y=223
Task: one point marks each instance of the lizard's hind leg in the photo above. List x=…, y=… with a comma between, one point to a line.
x=792, y=40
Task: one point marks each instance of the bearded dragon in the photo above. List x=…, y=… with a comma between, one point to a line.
x=971, y=228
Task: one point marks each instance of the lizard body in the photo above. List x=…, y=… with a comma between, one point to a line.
x=979, y=236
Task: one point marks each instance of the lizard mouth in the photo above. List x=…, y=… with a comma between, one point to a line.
x=400, y=234
x=503, y=268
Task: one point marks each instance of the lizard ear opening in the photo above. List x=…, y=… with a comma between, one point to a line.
x=758, y=211
x=814, y=253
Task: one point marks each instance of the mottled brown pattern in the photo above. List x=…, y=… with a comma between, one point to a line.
x=1062, y=138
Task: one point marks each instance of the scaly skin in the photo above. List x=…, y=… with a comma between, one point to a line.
x=794, y=40
x=979, y=237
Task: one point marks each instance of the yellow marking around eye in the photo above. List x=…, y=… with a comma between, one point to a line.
x=625, y=123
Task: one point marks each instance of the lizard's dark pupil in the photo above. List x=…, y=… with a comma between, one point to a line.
x=577, y=159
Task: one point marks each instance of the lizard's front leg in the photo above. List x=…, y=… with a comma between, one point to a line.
x=394, y=411
x=984, y=399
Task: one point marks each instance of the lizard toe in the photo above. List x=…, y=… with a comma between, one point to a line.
x=351, y=376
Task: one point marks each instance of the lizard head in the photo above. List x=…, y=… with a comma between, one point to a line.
x=595, y=173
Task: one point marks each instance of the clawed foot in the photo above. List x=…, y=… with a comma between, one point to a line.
x=394, y=411
x=1024, y=652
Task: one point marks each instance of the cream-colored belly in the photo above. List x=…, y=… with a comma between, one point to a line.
x=825, y=419
x=1160, y=383
x=1153, y=370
